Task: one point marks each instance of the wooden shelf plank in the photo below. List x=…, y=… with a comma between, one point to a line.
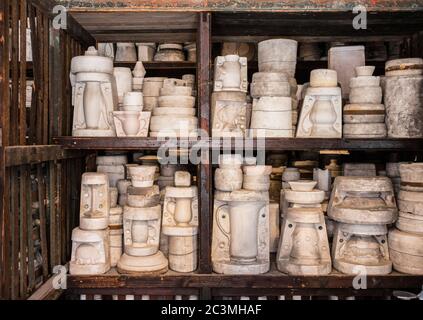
x=158, y=65
x=19, y=155
x=271, y=280
x=271, y=144
x=113, y=143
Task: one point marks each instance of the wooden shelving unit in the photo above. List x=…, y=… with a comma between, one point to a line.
x=64, y=157
x=222, y=26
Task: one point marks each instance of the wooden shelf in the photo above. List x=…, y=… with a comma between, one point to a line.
x=271, y=144
x=277, y=144
x=158, y=65
x=112, y=143
x=270, y=280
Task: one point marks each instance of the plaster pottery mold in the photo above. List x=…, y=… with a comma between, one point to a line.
x=191, y=49
x=228, y=177
x=180, y=224
x=106, y=49
x=363, y=200
x=404, y=98
x=363, y=206
x=274, y=228
x=406, y=250
x=241, y=232
x=272, y=117
x=124, y=82
x=146, y=51
x=230, y=73
x=142, y=227
x=241, y=49
x=410, y=197
x=95, y=202
x=361, y=249
x=126, y=52
x=174, y=116
x=132, y=123
x=344, y=60
x=229, y=114
x=170, y=52
x=364, y=117
x=142, y=176
x=270, y=84
x=151, y=92
x=303, y=247
x=321, y=114
x=278, y=55
x=256, y=178
x=113, y=166
x=115, y=228
x=359, y=169
x=90, y=252
x=94, y=95
x=139, y=74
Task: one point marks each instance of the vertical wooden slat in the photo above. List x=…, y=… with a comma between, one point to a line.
x=14, y=103
x=56, y=77
x=22, y=73
x=52, y=214
x=35, y=93
x=14, y=186
x=58, y=211
x=45, y=61
x=40, y=86
x=30, y=226
x=4, y=123
x=64, y=207
x=4, y=64
x=23, y=231
x=204, y=169
x=43, y=220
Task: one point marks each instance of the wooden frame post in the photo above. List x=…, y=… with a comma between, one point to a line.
x=204, y=169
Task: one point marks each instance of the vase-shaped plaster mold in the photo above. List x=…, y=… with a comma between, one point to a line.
x=241, y=232
x=141, y=241
x=321, y=115
x=94, y=95
x=132, y=123
x=230, y=73
x=180, y=225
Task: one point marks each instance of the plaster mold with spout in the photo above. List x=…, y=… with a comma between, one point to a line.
x=241, y=232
